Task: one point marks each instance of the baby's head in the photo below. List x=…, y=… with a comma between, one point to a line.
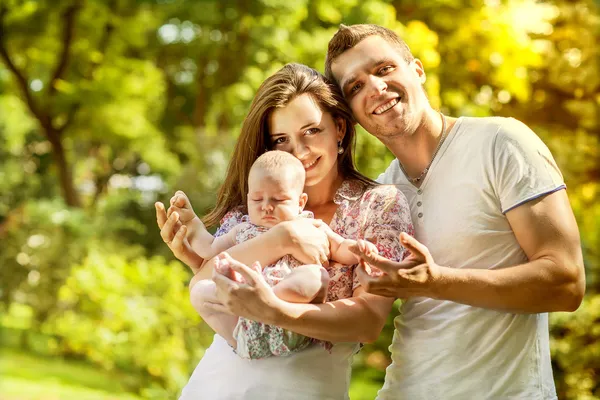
x=275, y=188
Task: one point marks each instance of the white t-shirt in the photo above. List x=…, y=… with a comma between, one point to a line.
x=318, y=375
x=445, y=350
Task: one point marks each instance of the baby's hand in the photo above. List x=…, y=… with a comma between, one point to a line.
x=181, y=204
x=371, y=248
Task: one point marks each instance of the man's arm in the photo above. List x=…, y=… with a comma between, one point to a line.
x=552, y=280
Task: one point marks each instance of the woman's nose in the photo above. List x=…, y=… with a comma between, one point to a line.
x=301, y=150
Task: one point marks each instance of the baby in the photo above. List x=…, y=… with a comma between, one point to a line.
x=275, y=194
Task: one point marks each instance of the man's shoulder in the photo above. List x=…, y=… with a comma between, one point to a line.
x=494, y=126
x=391, y=175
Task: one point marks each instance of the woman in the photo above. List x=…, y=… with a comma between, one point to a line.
x=298, y=111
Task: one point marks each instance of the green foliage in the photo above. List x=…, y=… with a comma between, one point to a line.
x=576, y=351
x=31, y=378
x=141, y=98
x=133, y=314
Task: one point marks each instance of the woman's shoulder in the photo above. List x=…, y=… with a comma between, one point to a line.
x=379, y=200
x=232, y=218
x=376, y=193
x=353, y=190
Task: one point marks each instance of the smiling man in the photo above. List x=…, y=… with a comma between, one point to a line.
x=497, y=245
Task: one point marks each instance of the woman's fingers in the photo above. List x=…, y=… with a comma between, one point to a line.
x=250, y=275
x=167, y=231
x=177, y=243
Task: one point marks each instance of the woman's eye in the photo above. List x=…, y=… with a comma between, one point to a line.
x=279, y=141
x=312, y=131
x=355, y=88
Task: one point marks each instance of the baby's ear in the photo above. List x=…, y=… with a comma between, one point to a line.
x=303, y=200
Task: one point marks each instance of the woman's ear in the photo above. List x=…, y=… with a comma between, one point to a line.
x=303, y=200
x=340, y=124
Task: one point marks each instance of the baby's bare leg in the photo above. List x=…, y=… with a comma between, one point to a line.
x=306, y=284
x=223, y=324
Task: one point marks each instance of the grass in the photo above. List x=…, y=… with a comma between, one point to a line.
x=31, y=377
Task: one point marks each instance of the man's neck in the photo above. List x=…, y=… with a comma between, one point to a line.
x=415, y=152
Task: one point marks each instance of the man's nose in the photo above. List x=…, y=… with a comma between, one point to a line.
x=377, y=85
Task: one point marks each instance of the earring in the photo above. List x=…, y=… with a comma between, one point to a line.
x=340, y=148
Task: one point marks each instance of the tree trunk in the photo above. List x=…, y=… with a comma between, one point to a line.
x=65, y=174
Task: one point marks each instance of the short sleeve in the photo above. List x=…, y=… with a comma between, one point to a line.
x=386, y=215
x=232, y=218
x=523, y=166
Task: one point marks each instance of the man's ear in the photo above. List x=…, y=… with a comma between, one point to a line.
x=419, y=69
x=303, y=200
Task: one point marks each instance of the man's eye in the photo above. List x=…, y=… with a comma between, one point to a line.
x=355, y=88
x=385, y=70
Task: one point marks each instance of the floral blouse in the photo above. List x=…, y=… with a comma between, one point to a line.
x=377, y=213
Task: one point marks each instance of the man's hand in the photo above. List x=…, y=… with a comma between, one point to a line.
x=413, y=277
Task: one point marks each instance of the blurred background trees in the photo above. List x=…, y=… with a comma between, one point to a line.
x=109, y=105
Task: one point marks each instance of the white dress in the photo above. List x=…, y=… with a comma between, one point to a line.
x=319, y=372
x=312, y=374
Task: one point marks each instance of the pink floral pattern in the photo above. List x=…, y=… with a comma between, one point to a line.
x=256, y=340
x=378, y=213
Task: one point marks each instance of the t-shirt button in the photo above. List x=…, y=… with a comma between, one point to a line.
x=420, y=215
x=419, y=204
x=419, y=191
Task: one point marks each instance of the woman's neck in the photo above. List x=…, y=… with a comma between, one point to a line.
x=322, y=193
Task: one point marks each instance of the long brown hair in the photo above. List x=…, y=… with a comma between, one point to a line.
x=278, y=91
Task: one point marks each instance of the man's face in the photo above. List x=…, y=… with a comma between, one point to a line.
x=384, y=92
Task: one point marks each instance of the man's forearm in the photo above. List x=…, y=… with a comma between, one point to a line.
x=357, y=319
x=537, y=286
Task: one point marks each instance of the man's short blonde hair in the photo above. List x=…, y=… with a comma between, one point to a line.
x=349, y=36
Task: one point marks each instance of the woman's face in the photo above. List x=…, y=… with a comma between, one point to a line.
x=311, y=135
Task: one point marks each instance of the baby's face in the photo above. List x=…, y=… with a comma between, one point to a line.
x=273, y=199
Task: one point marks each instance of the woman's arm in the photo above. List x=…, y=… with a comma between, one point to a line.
x=356, y=319
x=300, y=238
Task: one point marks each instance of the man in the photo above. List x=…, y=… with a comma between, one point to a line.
x=497, y=245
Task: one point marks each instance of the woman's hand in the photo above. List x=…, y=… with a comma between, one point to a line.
x=243, y=291
x=173, y=233
x=305, y=239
